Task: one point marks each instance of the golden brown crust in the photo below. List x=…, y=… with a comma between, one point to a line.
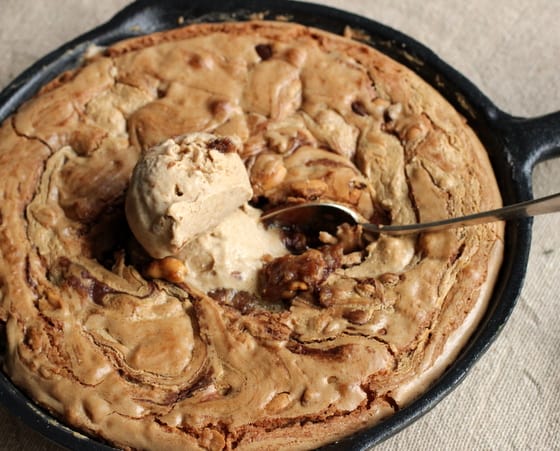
x=142, y=362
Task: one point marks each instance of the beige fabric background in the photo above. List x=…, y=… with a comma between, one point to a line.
x=511, y=50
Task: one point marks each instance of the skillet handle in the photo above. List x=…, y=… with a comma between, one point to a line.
x=530, y=140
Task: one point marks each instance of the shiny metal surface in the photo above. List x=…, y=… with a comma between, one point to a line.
x=331, y=214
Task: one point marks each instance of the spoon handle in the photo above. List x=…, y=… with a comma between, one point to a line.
x=548, y=204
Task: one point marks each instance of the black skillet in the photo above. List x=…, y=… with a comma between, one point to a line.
x=515, y=145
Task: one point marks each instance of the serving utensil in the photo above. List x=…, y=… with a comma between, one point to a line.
x=331, y=214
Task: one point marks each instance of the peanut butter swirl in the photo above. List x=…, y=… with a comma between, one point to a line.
x=342, y=333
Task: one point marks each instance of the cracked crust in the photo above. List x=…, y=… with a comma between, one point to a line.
x=144, y=363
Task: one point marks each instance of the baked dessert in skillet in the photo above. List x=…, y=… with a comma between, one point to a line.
x=144, y=303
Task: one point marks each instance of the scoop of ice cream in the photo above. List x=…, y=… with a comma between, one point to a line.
x=183, y=187
x=231, y=255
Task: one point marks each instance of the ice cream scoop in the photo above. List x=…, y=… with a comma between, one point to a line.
x=183, y=187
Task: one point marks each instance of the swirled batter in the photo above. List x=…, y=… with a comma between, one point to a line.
x=340, y=332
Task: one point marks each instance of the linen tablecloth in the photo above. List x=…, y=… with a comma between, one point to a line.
x=510, y=49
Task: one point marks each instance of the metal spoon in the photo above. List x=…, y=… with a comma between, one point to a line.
x=327, y=215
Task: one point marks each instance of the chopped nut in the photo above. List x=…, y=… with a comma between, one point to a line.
x=393, y=112
x=286, y=276
x=168, y=268
x=309, y=189
x=327, y=296
x=327, y=238
x=296, y=56
x=330, y=127
x=212, y=439
x=389, y=278
x=354, y=258
x=299, y=286
x=380, y=106
x=199, y=61
x=309, y=396
x=370, y=288
x=279, y=402
x=357, y=316
x=268, y=171
x=221, y=109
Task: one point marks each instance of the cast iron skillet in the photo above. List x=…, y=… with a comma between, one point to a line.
x=515, y=145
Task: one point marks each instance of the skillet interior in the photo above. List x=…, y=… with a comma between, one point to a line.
x=148, y=16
